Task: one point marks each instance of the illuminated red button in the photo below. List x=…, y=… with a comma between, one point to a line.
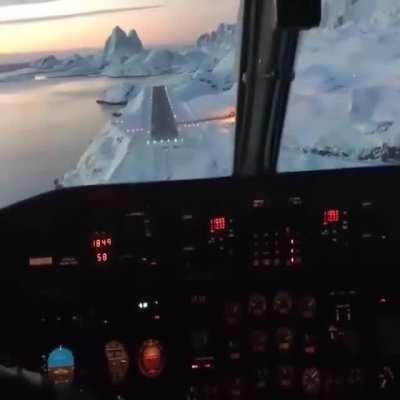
x=217, y=224
x=331, y=216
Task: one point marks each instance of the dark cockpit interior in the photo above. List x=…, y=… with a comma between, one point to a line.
x=259, y=285
x=211, y=288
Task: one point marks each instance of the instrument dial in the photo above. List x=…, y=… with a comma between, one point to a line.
x=118, y=361
x=307, y=307
x=386, y=379
x=61, y=366
x=151, y=359
x=234, y=388
x=311, y=382
x=258, y=341
x=193, y=393
x=286, y=377
x=210, y=392
x=355, y=378
x=283, y=303
x=261, y=380
x=232, y=313
x=233, y=349
x=309, y=344
x=257, y=306
x=202, y=392
x=284, y=340
x=334, y=386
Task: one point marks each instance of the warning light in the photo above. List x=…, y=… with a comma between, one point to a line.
x=331, y=217
x=217, y=224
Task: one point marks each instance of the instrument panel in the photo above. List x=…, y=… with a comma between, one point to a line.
x=207, y=290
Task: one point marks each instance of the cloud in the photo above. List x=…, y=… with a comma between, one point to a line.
x=74, y=15
x=18, y=2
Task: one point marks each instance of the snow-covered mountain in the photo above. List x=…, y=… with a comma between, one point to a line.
x=220, y=41
x=222, y=47
x=124, y=55
x=147, y=62
x=46, y=62
x=120, y=46
x=75, y=65
x=211, y=59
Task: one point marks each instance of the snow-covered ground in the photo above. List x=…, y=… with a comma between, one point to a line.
x=344, y=105
x=110, y=147
x=118, y=94
x=203, y=151
x=126, y=152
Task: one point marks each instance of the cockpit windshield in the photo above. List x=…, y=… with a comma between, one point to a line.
x=343, y=108
x=115, y=91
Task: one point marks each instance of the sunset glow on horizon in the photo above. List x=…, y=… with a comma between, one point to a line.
x=176, y=22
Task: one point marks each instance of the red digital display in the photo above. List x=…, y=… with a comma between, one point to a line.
x=217, y=224
x=102, y=243
x=331, y=217
x=102, y=246
x=102, y=258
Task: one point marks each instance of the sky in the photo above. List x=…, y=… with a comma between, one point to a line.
x=40, y=26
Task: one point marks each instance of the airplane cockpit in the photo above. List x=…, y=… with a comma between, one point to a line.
x=198, y=199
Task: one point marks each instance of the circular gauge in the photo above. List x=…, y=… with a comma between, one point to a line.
x=286, y=377
x=258, y=341
x=202, y=392
x=261, y=380
x=233, y=313
x=257, y=306
x=311, y=382
x=234, y=388
x=210, y=392
x=386, y=379
x=351, y=341
x=193, y=393
x=284, y=340
x=283, y=303
x=333, y=386
x=309, y=344
x=355, y=378
x=200, y=341
x=151, y=359
x=233, y=349
x=307, y=307
x=61, y=366
x=117, y=361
